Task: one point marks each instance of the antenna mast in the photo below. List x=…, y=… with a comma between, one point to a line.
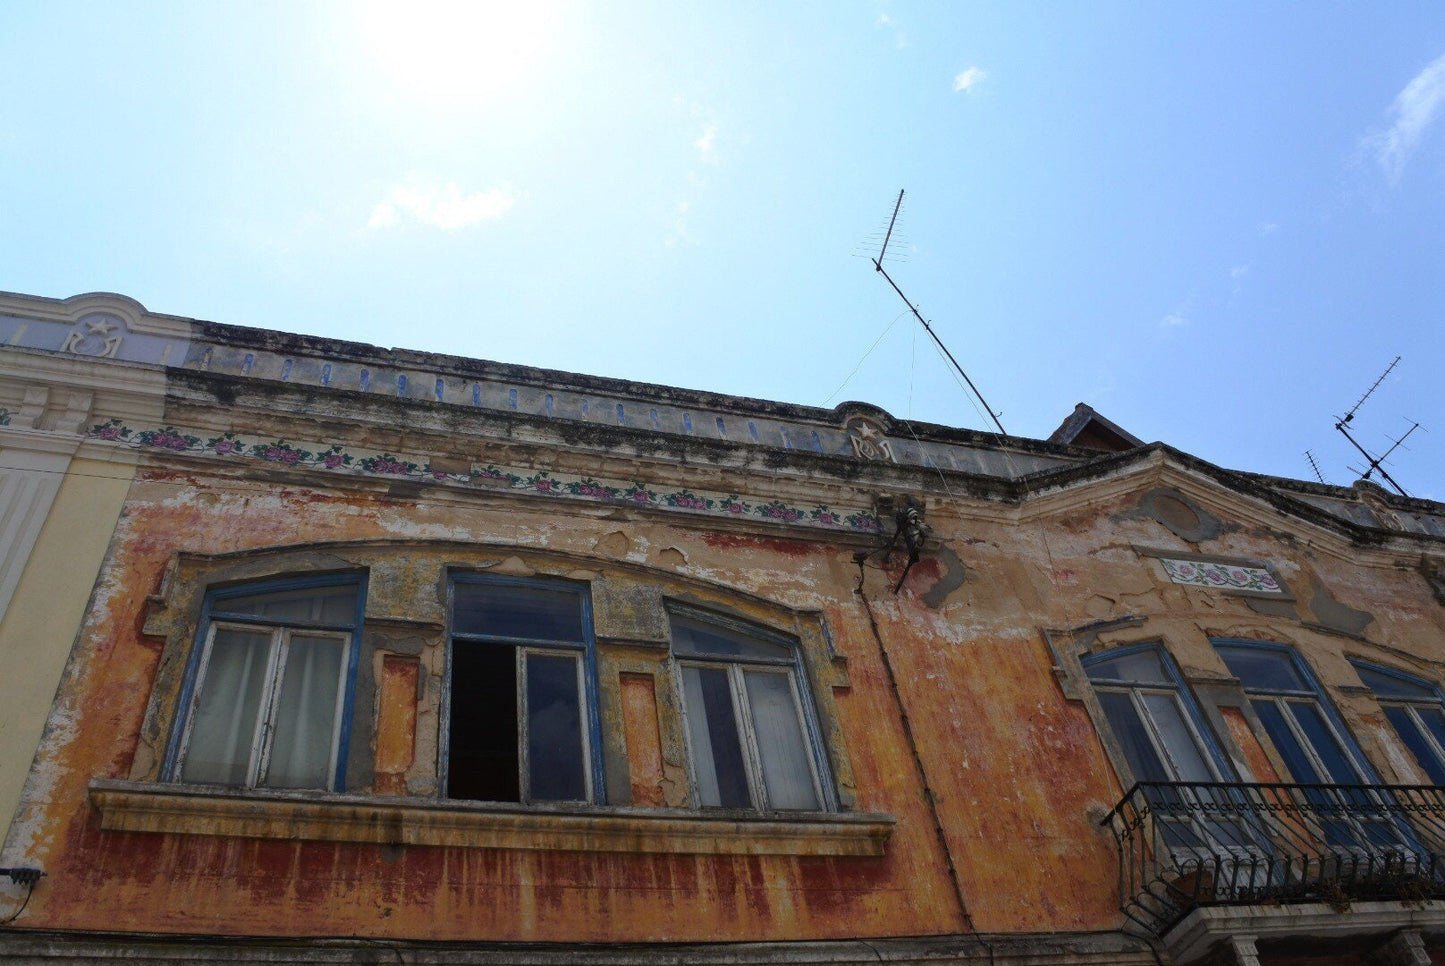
x=1374, y=462
x=878, y=267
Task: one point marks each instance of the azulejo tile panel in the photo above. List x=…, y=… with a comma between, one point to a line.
x=335, y=458
x=1222, y=576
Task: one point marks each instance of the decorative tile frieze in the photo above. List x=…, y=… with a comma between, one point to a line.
x=335, y=458
x=1222, y=576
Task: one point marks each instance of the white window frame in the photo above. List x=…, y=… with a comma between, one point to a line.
x=524, y=763
x=259, y=762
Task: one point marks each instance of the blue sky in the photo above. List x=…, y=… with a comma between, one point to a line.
x=1216, y=223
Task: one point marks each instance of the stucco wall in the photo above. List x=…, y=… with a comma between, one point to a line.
x=41, y=622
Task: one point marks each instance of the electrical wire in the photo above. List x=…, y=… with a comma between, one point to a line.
x=844, y=383
x=29, y=891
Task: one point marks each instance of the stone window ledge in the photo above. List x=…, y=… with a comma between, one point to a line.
x=175, y=809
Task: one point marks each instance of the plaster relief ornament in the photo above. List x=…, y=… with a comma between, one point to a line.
x=97, y=336
x=869, y=441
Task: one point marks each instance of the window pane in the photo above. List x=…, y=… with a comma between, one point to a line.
x=1388, y=684
x=1129, y=731
x=517, y=612
x=1415, y=740
x=781, y=746
x=712, y=729
x=302, y=748
x=1301, y=768
x=1178, y=738
x=716, y=640
x=554, y=730
x=320, y=605
x=1262, y=669
x=482, y=758
x=1434, y=723
x=223, y=730
x=1312, y=722
x=1143, y=667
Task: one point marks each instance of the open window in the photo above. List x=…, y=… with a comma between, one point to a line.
x=268, y=693
x=1416, y=710
x=521, y=710
x=749, y=720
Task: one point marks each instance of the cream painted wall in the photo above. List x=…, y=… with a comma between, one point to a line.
x=40, y=624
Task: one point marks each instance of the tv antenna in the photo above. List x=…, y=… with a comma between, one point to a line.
x=1375, y=461
x=1315, y=466
x=878, y=267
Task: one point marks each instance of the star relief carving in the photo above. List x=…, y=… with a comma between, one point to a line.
x=98, y=337
x=869, y=441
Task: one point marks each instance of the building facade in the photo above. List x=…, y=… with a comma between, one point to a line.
x=377, y=655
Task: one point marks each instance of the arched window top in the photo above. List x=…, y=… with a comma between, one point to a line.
x=1135, y=665
x=1388, y=682
x=709, y=637
x=323, y=602
x=1264, y=667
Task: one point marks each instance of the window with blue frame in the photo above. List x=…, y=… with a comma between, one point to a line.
x=1312, y=741
x=1152, y=717
x=749, y=723
x=1415, y=709
x=1305, y=730
x=269, y=689
x=520, y=716
x=1162, y=735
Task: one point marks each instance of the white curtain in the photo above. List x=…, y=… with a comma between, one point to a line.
x=787, y=774
x=302, y=748
x=223, y=732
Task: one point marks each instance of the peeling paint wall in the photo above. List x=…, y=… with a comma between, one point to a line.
x=1014, y=768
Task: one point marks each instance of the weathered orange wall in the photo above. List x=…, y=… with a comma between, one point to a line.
x=1016, y=771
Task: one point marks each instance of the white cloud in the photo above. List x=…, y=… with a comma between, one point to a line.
x=1267, y=228
x=1239, y=271
x=1414, y=110
x=706, y=143
x=885, y=22
x=680, y=232
x=1173, y=320
x=440, y=206
x=969, y=79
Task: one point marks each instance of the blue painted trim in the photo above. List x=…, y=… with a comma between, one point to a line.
x=1404, y=676
x=170, y=764
x=348, y=707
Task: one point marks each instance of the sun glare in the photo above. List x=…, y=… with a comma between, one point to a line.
x=455, y=51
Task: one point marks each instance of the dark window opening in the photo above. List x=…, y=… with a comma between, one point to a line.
x=483, y=759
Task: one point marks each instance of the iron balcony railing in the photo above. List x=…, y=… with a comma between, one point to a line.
x=1187, y=844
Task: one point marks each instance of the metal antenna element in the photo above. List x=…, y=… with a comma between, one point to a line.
x=878, y=267
x=1315, y=466
x=1388, y=369
x=1374, y=461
